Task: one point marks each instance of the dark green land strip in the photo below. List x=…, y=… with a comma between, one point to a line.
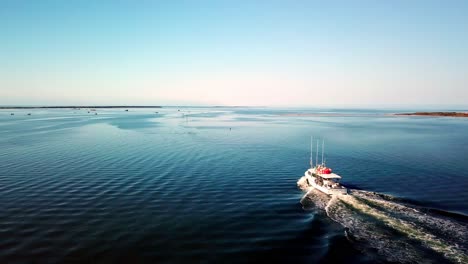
x=450, y=114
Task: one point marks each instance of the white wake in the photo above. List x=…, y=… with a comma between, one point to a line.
x=399, y=232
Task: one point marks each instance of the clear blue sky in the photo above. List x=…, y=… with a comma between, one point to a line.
x=274, y=53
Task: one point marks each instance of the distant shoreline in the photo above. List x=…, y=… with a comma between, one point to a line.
x=76, y=107
x=447, y=114
x=324, y=114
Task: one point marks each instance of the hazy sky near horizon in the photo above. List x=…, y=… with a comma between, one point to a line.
x=269, y=53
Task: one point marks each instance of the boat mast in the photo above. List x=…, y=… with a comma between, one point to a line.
x=323, y=146
x=311, y=151
x=316, y=155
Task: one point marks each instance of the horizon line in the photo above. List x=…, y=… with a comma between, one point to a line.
x=379, y=107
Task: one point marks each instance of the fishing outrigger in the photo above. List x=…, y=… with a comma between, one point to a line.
x=320, y=176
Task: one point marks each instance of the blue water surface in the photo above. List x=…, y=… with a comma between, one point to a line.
x=210, y=185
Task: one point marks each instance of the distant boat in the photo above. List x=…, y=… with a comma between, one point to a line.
x=29, y=113
x=321, y=177
x=126, y=110
x=12, y=114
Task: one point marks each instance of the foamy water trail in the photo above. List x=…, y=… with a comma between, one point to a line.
x=397, y=231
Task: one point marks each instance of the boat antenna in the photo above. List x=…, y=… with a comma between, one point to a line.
x=323, y=146
x=316, y=155
x=311, y=151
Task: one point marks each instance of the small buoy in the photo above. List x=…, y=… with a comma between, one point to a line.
x=95, y=113
x=126, y=110
x=178, y=110
x=29, y=113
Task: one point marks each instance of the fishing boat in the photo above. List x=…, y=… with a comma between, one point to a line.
x=320, y=176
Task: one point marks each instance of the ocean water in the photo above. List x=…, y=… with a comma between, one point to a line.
x=219, y=185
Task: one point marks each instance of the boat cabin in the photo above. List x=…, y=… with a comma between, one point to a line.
x=324, y=177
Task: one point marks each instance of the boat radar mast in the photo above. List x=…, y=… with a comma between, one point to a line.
x=316, y=154
x=323, y=147
x=311, y=159
x=311, y=151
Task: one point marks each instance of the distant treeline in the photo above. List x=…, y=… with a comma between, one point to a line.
x=76, y=107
